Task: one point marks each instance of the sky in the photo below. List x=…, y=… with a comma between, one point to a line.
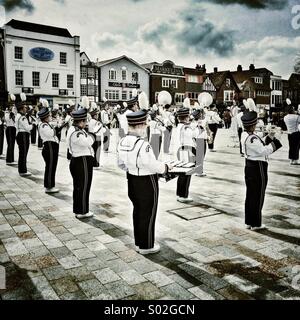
x=217, y=33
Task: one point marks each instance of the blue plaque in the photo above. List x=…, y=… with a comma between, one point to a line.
x=41, y=54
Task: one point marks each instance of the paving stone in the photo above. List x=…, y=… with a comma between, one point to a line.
x=81, y=274
x=132, y=277
x=158, y=278
x=143, y=266
x=119, y=289
x=74, y=244
x=61, y=252
x=106, y=276
x=32, y=243
x=65, y=237
x=44, y=288
x=46, y=261
x=14, y=246
x=105, y=239
x=70, y=262
x=93, y=264
x=118, y=265
x=53, y=243
x=95, y=246
x=54, y=273
x=64, y=285
x=177, y=292
x=84, y=238
x=147, y=291
x=129, y=255
x=205, y=293
x=77, y=295
x=5, y=227
x=185, y=280
x=92, y=288
x=39, y=252
x=82, y=254
x=241, y=283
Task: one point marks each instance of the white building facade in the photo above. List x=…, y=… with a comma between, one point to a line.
x=120, y=76
x=43, y=62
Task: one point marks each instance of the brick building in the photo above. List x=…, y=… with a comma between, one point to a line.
x=194, y=79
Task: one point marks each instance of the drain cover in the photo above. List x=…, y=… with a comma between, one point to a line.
x=195, y=212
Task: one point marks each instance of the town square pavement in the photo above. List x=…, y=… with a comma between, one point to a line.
x=46, y=253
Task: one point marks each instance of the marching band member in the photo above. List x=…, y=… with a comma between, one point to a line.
x=97, y=129
x=1, y=132
x=136, y=157
x=202, y=135
x=256, y=152
x=213, y=119
x=129, y=107
x=33, y=121
x=186, y=138
x=81, y=165
x=169, y=121
x=56, y=121
x=155, y=135
x=23, y=133
x=105, y=119
x=239, y=123
x=292, y=121
x=50, y=150
x=10, y=120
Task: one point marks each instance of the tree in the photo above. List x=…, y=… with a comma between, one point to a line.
x=297, y=64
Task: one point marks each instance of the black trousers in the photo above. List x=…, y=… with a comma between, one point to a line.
x=213, y=128
x=143, y=193
x=183, y=185
x=40, y=142
x=256, y=178
x=1, y=138
x=11, y=140
x=81, y=169
x=227, y=124
x=155, y=142
x=106, y=139
x=240, y=131
x=50, y=155
x=33, y=134
x=23, y=143
x=294, y=144
x=97, y=149
x=167, y=140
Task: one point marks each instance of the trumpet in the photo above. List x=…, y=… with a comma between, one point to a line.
x=273, y=130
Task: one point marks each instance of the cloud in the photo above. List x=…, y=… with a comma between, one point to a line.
x=154, y=32
x=11, y=5
x=27, y=5
x=251, y=4
x=108, y=40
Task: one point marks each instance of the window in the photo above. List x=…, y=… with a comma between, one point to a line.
x=91, y=73
x=35, y=79
x=83, y=73
x=228, y=95
x=19, y=53
x=19, y=77
x=193, y=78
x=91, y=90
x=124, y=74
x=63, y=58
x=55, y=80
x=83, y=89
x=227, y=82
x=112, y=94
x=258, y=80
x=135, y=77
x=70, y=81
x=124, y=95
x=179, y=98
x=112, y=74
x=167, y=83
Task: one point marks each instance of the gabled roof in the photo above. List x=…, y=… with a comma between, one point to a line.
x=218, y=78
x=106, y=62
x=39, y=28
x=241, y=76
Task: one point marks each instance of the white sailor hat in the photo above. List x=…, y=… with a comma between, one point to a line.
x=80, y=114
x=44, y=113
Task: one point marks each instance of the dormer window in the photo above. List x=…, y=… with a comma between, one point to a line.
x=227, y=82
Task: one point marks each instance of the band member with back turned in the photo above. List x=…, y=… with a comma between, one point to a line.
x=23, y=134
x=10, y=120
x=50, y=150
x=256, y=152
x=136, y=157
x=81, y=165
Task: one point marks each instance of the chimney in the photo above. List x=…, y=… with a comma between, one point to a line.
x=252, y=67
x=239, y=68
x=204, y=68
x=215, y=69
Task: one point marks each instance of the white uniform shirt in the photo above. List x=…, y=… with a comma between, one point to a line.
x=239, y=120
x=136, y=156
x=123, y=120
x=254, y=147
x=105, y=117
x=47, y=133
x=22, y=124
x=155, y=127
x=212, y=117
x=79, y=143
x=200, y=129
x=9, y=122
x=292, y=122
x=186, y=135
x=168, y=118
x=97, y=128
